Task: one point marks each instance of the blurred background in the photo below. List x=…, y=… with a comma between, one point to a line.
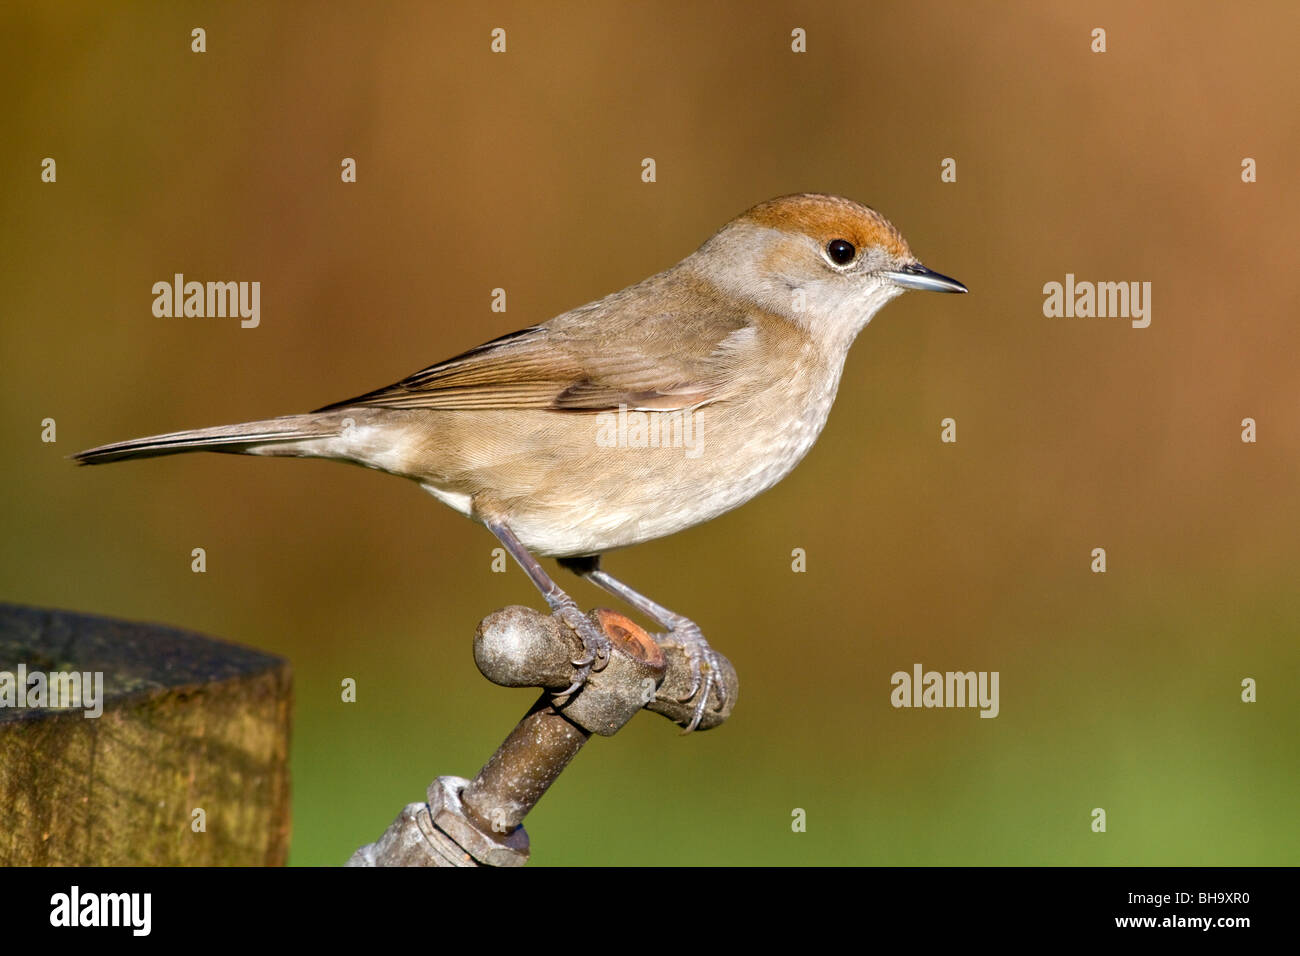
x=522, y=171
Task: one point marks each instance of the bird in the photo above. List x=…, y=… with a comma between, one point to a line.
x=638, y=415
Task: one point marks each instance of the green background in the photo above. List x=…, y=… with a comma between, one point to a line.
x=522, y=171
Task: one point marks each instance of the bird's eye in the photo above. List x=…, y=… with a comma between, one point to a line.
x=841, y=251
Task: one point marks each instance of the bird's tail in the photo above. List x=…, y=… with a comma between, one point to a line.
x=287, y=435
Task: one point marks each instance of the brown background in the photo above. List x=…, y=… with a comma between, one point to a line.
x=522, y=171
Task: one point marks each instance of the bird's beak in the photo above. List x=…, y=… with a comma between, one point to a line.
x=917, y=276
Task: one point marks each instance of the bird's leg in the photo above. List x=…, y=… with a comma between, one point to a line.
x=594, y=642
x=705, y=665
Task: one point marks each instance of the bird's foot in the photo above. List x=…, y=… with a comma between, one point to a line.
x=706, y=670
x=595, y=645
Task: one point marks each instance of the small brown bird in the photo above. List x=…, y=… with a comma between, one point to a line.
x=651, y=410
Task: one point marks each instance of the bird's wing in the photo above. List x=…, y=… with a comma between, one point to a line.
x=663, y=361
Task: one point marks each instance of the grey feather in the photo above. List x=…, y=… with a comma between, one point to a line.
x=232, y=439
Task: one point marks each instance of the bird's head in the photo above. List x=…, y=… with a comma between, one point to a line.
x=826, y=262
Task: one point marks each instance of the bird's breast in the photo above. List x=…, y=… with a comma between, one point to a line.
x=619, y=477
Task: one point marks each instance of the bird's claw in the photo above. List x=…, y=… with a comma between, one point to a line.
x=595, y=646
x=706, y=672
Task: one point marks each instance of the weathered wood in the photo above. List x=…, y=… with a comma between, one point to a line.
x=188, y=722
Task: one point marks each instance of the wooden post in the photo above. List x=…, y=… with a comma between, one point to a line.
x=186, y=765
